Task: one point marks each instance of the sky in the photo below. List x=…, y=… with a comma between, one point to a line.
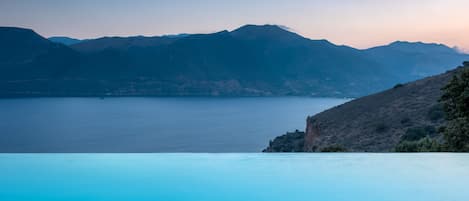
x=357, y=23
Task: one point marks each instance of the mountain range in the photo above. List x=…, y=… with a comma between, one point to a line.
x=253, y=60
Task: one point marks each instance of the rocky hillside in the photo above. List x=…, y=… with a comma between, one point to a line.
x=375, y=123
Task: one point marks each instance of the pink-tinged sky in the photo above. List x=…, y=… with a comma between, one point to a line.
x=358, y=23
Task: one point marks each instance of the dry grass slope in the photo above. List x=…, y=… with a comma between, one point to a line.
x=378, y=122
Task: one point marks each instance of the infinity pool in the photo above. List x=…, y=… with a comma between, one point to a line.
x=240, y=177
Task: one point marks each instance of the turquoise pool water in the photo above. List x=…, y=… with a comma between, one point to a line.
x=240, y=177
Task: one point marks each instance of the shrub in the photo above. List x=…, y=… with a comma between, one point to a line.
x=406, y=146
x=406, y=121
x=398, y=86
x=417, y=133
x=441, y=129
x=455, y=100
x=457, y=135
x=414, y=134
x=426, y=144
x=334, y=148
x=436, y=113
x=381, y=127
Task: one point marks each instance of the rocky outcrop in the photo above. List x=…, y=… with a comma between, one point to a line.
x=290, y=142
x=377, y=123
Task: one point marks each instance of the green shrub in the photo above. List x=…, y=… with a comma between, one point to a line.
x=381, y=127
x=441, y=129
x=406, y=121
x=426, y=144
x=455, y=100
x=436, y=113
x=334, y=148
x=414, y=134
x=417, y=133
x=457, y=135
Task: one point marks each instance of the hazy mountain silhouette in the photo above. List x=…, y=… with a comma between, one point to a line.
x=416, y=60
x=251, y=60
x=64, y=40
x=121, y=43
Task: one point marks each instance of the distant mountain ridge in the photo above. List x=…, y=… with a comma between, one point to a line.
x=65, y=40
x=253, y=60
x=416, y=60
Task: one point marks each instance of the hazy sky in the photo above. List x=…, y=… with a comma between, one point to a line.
x=358, y=23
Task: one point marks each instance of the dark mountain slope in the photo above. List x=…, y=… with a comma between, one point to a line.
x=22, y=45
x=374, y=123
x=24, y=55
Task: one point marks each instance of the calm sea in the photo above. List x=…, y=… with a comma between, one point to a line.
x=151, y=124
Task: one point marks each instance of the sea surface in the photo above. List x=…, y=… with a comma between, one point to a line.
x=151, y=124
x=234, y=177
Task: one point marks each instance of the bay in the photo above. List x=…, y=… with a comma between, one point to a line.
x=151, y=124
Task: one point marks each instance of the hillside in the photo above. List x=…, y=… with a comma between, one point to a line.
x=375, y=123
x=25, y=55
x=249, y=61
